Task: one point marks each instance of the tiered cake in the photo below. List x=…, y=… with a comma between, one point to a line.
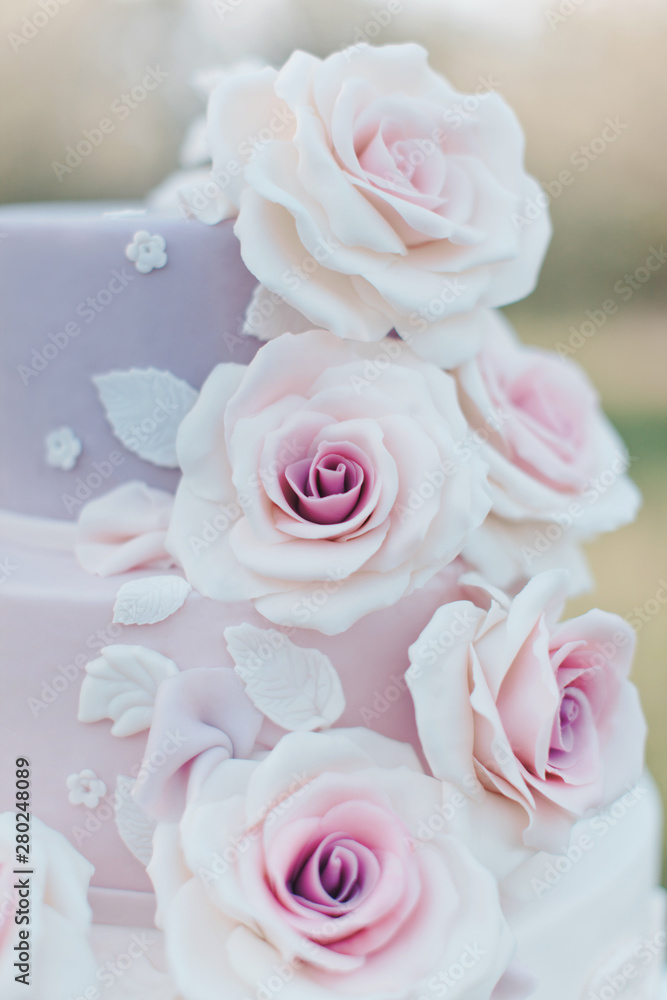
x=289, y=521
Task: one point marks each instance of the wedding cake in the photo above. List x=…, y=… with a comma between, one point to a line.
x=289, y=520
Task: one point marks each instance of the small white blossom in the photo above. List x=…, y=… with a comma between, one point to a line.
x=62, y=448
x=86, y=789
x=147, y=252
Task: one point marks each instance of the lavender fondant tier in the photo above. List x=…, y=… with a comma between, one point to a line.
x=73, y=306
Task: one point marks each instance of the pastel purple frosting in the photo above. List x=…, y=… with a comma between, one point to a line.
x=185, y=317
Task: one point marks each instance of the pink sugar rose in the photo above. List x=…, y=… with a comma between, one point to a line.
x=541, y=713
x=368, y=200
x=321, y=483
x=306, y=865
x=557, y=467
x=125, y=529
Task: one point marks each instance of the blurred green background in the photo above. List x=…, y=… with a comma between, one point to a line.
x=567, y=67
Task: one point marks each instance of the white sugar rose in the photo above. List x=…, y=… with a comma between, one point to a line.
x=368, y=201
x=323, y=481
x=61, y=962
x=304, y=873
x=557, y=467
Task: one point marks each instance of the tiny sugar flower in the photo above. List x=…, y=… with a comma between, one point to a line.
x=86, y=789
x=62, y=448
x=147, y=252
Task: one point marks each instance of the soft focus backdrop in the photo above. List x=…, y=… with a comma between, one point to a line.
x=587, y=79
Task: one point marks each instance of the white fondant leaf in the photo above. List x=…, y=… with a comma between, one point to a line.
x=121, y=685
x=136, y=829
x=298, y=689
x=150, y=599
x=145, y=408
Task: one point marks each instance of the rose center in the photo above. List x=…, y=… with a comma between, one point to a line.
x=403, y=155
x=335, y=875
x=327, y=488
x=569, y=711
x=566, y=727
